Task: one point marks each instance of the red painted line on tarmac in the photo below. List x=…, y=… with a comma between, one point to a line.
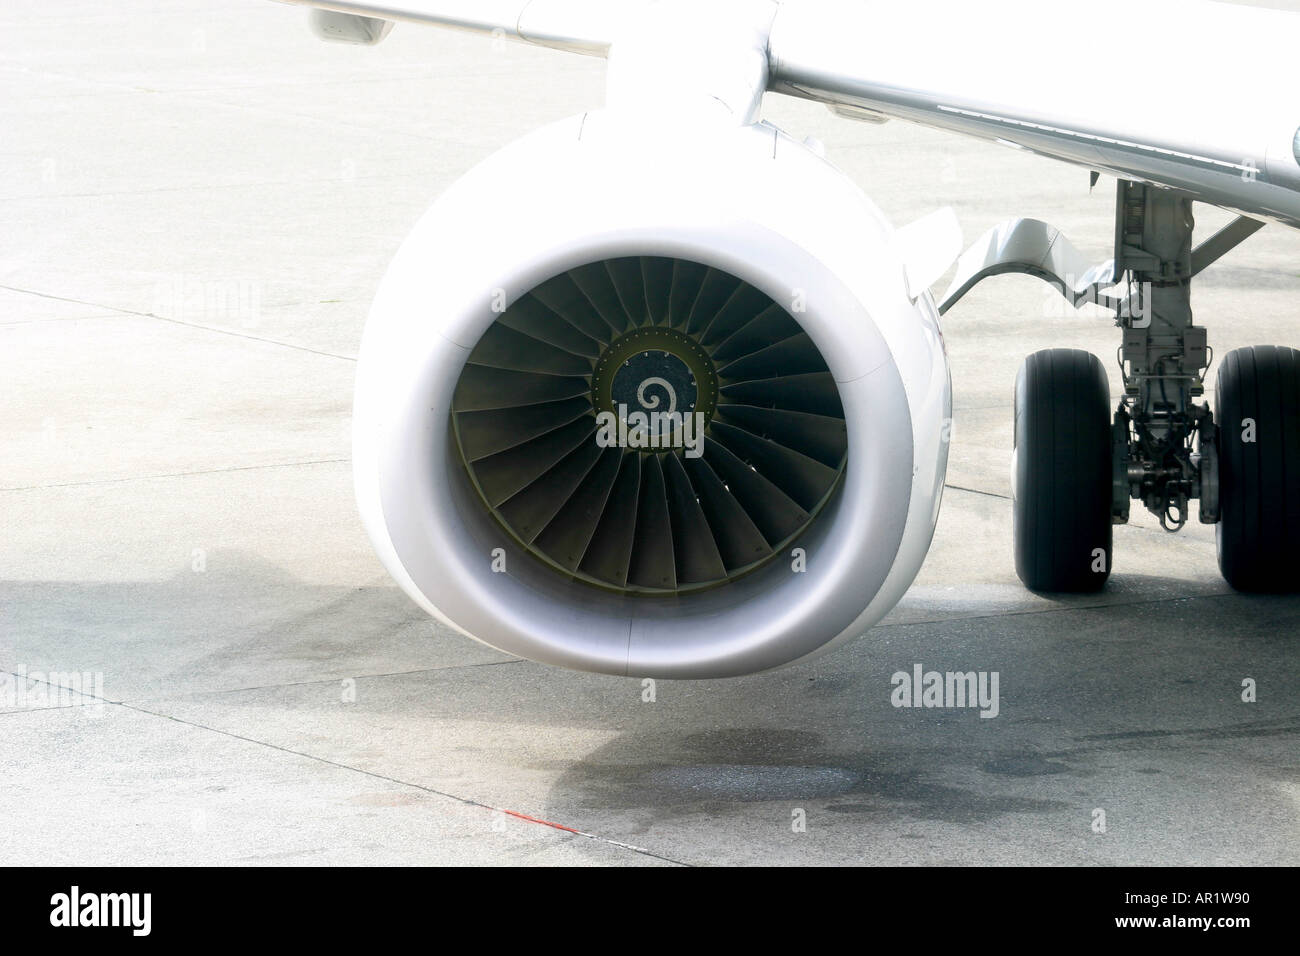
x=545, y=823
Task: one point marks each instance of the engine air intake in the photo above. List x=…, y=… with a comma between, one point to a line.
x=650, y=425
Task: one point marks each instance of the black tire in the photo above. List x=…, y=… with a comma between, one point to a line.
x=1258, y=399
x=1061, y=514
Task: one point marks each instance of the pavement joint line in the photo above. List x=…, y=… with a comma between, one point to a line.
x=976, y=491
x=1137, y=742
x=104, y=86
x=240, y=690
x=1055, y=610
x=324, y=680
x=1263, y=727
x=62, y=318
x=94, y=702
x=467, y=801
x=93, y=699
x=33, y=680
x=191, y=325
x=180, y=474
x=1160, y=532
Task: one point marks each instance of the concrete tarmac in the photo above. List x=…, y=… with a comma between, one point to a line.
x=198, y=201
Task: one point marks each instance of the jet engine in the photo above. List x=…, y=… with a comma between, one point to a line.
x=651, y=402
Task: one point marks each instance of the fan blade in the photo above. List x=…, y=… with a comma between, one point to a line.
x=814, y=392
x=716, y=289
x=743, y=306
x=739, y=541
x=626, y=275
x=506, y=473
x=534, y=319
x=503, y=347
x=653, y=564
x=793, y=356
x=688, y=277
x=563, y=297
x=610, y=551
x=771, y=325
x=532, y=508
x=803, y=479
x=771, y=509
x=481, y=387
x=570, y=532
x=697, y=554
x=487, y=432
x=596, y=285
x=657, y=279
x=821, y=437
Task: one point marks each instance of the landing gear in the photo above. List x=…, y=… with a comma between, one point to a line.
x=1077, y=467
x=1062, y=474
x=1258, y=395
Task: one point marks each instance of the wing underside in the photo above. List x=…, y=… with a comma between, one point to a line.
x=1193, y=95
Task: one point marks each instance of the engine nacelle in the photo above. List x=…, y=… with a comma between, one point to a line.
x=597, y=269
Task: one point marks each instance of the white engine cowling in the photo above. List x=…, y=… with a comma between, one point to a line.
x=734, y=263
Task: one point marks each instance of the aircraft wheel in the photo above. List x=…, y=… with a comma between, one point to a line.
x=1258, y=398
x=1061, y=472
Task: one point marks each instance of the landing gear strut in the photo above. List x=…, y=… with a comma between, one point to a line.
x=1164, y=435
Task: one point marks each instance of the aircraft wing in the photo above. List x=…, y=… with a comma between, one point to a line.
x=1107, y=85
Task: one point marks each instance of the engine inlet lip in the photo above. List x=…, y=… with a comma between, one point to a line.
x=443, y=546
